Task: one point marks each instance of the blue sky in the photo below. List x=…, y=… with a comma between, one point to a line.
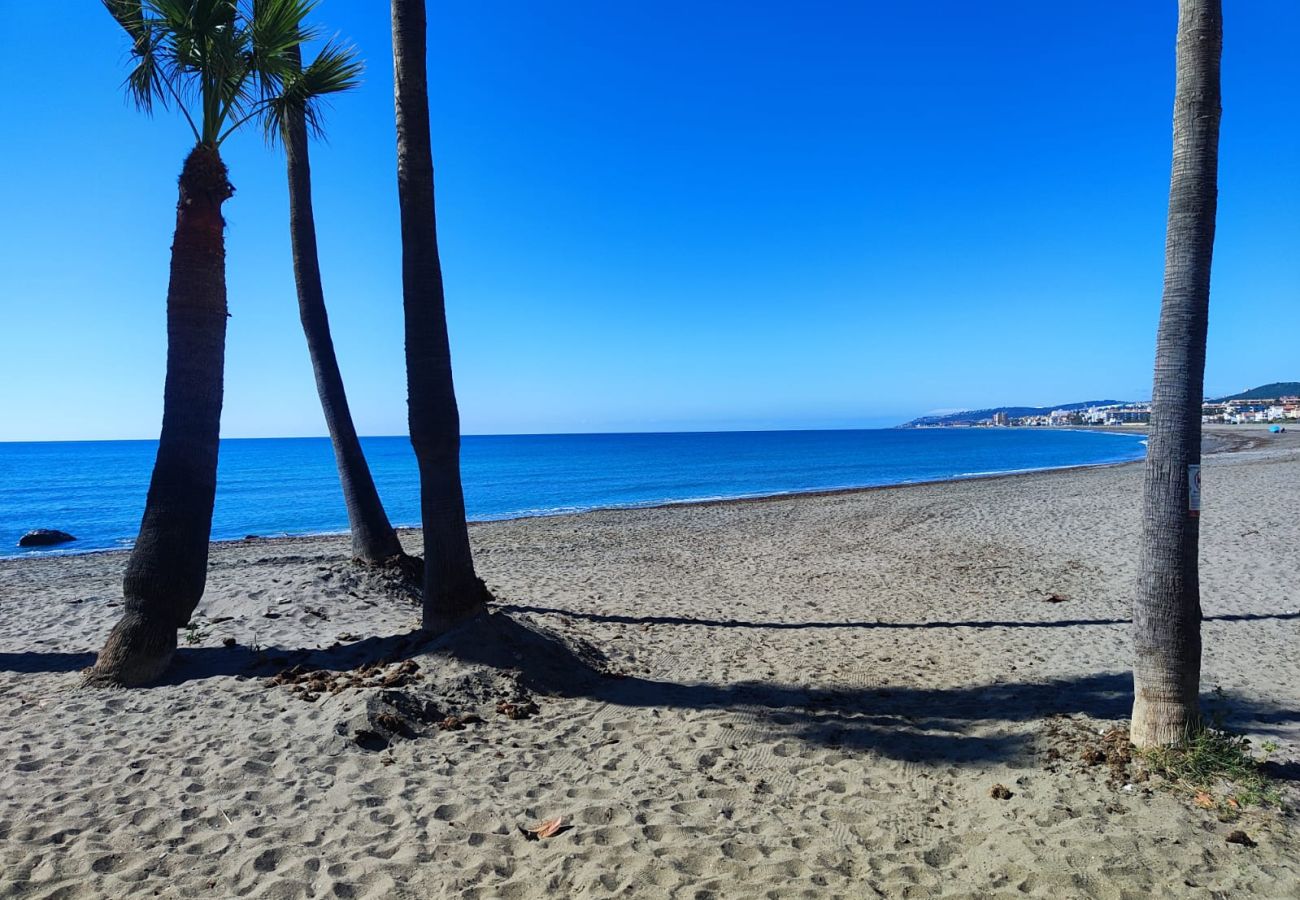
x=671, y=216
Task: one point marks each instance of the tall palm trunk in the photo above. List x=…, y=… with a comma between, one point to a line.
x=1167, y=611
x=373, y=537
x=452, y=592
x=168, y=567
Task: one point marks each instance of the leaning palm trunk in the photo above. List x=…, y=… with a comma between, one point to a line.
x=168, y=566
x=1167, y=611
x=225, y=61
x=373, y=537
x=452, y=591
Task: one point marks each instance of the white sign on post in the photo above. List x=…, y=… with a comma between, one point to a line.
x=1194, y=491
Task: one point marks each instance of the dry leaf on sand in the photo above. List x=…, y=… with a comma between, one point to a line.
x=541, y=830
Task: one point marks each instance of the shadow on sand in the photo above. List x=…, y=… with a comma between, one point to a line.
x=934, y=725
x=611, y=618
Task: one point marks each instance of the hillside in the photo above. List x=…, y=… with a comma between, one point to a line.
x=972, y=416
x=1266, y=392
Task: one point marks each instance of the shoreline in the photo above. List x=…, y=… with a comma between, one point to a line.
x=1217, y=440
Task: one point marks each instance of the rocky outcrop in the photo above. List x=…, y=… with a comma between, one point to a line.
x=44, y=537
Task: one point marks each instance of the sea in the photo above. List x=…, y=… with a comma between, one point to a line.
x=270, y=487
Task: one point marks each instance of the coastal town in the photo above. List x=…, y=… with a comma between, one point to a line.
x=1213, y=412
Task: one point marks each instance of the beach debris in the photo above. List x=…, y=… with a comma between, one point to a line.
x=1240, y=837
x=456, y=723
x=44, y=537
x=301, y=680
x=1093, y=756
x=543, y=830
x=1000, y=792
x=1055, y=598
x=517, y=710
x=388, y=716
x=1071, y=739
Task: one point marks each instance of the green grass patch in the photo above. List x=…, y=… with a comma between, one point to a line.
x=1219, y=769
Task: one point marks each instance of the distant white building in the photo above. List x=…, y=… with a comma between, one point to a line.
x=1131, y=415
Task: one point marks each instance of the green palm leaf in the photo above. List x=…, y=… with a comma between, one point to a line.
x=336, y=69
x=225, y=63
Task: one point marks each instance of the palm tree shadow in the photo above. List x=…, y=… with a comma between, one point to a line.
x=955, y=725
x=622, y=619
x=31, y=662
x=196, y=663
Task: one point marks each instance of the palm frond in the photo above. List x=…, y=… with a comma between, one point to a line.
x=230, y=61
x=143, y=82
x=275, y=27
x=336, y=68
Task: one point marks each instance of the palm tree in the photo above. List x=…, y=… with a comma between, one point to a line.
x=226, y=63
x=1167, y=609
x=373, y=539
x=452, y=592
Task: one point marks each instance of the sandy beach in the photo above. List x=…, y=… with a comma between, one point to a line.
x=794, y=697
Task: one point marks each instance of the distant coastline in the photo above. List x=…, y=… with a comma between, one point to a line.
x=1278, y=401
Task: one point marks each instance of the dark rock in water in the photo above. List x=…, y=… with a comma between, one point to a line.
x=44, y=537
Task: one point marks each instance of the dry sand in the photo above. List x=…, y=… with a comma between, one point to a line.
x=799, y=697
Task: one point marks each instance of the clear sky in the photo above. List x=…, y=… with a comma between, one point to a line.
x=670, y=216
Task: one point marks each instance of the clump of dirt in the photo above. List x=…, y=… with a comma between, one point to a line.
x=494, y=667
x=456, y=723
x=307, y=684
x=546, y=661
x=1240, y=837
x=1081, y=746
x=399, y=579
x=517, y=710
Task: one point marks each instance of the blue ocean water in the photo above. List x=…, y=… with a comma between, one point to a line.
x=284, y=486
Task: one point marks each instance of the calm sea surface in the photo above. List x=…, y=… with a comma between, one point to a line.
x=284, y=486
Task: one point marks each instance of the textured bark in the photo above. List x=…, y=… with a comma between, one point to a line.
x=373, y=538
x=452, y=591
x=1167, y=608
x=168, y=567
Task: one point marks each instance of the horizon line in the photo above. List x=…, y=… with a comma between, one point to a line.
x=315, y=437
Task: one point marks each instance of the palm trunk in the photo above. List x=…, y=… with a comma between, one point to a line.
x=373, y=538
x=1167, y=610
x=452, y=591
x=168, y=567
